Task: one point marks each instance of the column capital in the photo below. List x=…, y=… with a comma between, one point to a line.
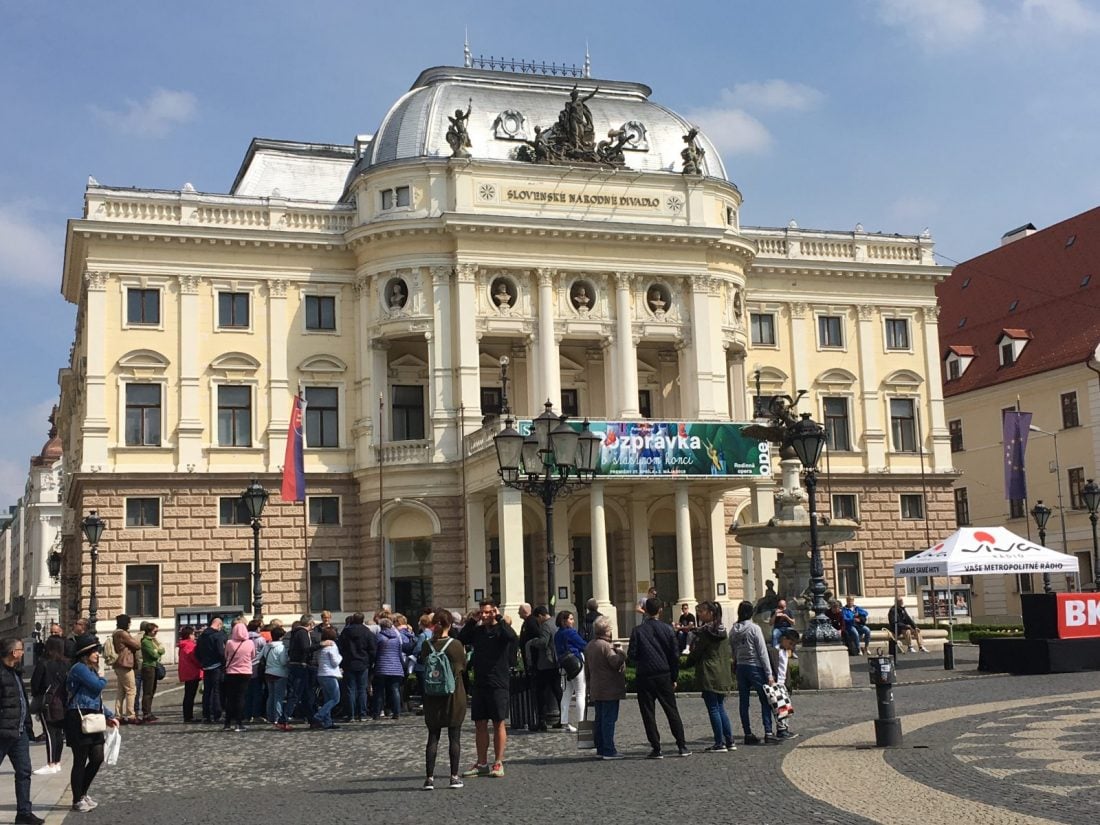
x=932, y=314
x=866, y=311
x=277, y=288
x=95, y=280
x=545, y=275
x=380, y=344
x=623, y=280
x=466, y=273
x=798, y=309
x=440, y=275
x=189, y=284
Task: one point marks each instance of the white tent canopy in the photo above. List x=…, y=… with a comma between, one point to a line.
x=982, y=551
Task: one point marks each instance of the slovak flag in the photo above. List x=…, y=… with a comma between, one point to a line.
x=294, y=472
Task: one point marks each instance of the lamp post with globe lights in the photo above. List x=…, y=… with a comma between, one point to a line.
x=1041, y=513
x=255, y=498
x=92, y=527
x=1091, y=494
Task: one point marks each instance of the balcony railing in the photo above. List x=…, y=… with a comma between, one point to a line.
x=793, y=243
x=407, y=452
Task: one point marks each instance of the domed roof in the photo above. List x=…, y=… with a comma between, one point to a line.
x=506, y=107
x=52, y=449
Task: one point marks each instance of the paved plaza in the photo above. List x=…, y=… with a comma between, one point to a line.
x=980, y=749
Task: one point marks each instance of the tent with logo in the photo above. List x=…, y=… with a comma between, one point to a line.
x=984, y=551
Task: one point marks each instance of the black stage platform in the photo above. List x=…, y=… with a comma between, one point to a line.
x=1016, y=655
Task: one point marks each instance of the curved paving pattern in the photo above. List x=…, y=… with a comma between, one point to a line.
x=1015, y=762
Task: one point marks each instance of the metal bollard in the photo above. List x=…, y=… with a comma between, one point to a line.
x=887, y=726
x=948, y=656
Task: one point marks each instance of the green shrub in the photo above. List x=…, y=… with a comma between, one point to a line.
x=999, y=633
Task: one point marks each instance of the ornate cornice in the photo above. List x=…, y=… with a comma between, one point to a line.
x=95, y=280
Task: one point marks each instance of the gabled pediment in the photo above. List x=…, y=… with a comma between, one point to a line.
x=323, y=364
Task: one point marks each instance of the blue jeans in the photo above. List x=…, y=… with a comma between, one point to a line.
x=298, y=693
x=860, y=633
x=603, y=731
x=356, y=682
x=719, y=719
x=749, y=678
x=387, y=689
x=276, y=696
x=18, y=752
x=330, y=688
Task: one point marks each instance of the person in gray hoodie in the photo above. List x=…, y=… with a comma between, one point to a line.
x=754, y=670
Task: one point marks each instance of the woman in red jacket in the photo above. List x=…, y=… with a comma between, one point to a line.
x=190, y=671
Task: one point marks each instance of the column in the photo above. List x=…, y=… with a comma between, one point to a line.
x=363, y=428
x=467, y=362
x=799, y=346
x=610, y=385
x=601, y=585
x=627, y=385
x=937, y=425
x=189, y=433
x=755, y=566
x=685, y=565
x=562, y=561
x=279, y=391
x=440, y=355
x=874, y=436
x=96, y=425
x=510, y=532
x=719, y=563
x=738, y=401
x=643, y=558
x=549, y=362
x=477, y=557
x=378, y=388
x=705, y=348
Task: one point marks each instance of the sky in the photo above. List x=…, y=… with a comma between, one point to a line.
x=965, y=117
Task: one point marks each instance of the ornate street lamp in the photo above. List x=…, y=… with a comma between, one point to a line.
x=807, y=439
x=53, y=564
x=255, y=498
x=93, y=527
x=1041, y=513
x=552, y=461
x=1091, y=494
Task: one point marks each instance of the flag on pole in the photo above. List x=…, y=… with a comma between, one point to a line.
x=1015, y=439
x=294, y=473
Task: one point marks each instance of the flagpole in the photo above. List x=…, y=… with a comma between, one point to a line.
x=927, y=529
x=381, y=537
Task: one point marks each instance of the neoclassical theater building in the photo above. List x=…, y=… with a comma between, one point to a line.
x=572, y=225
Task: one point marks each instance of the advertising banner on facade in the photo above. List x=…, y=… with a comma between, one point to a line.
x=676, y=448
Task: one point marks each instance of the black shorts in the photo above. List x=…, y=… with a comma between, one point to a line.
x=489, y=703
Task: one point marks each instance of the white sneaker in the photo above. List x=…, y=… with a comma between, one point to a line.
x=914, y=650
x=44, y=770
x=91, y=802
x=570, y=729
x=924, y=650
x=82, y=806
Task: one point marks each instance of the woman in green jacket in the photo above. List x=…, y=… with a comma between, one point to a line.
x=714, y=672
x=151, y=651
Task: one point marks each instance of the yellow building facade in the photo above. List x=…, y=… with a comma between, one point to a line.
x=389, y=278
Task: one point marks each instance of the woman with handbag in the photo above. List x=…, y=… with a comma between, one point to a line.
x=189, y=671
x=86, y=719
x=152, y=671
x=47, y=692
x=238, y=673
x=569, y=646
x=713, y=662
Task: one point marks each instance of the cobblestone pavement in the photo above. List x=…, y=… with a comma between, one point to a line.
x=985, y=748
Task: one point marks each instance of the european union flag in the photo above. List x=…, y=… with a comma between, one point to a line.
x=1016, y=426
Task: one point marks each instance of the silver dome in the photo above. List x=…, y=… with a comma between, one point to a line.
x=506, y=107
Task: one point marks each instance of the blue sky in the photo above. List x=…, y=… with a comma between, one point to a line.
x=968, y=117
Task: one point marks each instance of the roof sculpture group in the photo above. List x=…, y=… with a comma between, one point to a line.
x=572, y=139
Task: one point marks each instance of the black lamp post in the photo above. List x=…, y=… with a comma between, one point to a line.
x=1041, y=513
x=807, y=439
x=93, y=527
x=1091, y=494
x=551, y=461
x=53, y=564
x=254, y=498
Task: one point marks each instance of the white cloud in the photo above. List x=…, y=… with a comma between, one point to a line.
x=156, y=116
x=29, y=254
x=1070, y=15
x=936, y=23
x=732, y=130
x=26, y=429
x=773, y=95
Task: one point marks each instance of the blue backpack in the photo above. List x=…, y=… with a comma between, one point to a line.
x=439, y=676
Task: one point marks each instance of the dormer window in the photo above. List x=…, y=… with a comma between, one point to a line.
x=1008, y=354
x=957, y=360
x=395, y=198
x=954, y=370
x=1011, y=344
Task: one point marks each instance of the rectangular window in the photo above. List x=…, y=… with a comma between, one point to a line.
x=143, y=512
x=955, y=428
x=324, y=585
x=232, y=511
x=762, y=329
x=395, y=197
x=913, y=586
x=142, y=590
x=1070, y=417
x=143, y=306
x=836, y=424
x=897, y=333
x=849, y=581
x=408, y=412
x=962, y=507
x=324, y=509
x=234, y=416
x=143, y=415
x=1076, y=485
x=1024, y=583
x=570, y=404
x=645, y=403
x=233, y=310
x=235, y=586
x=1008, y=355
x=322, y=417
x=903, y=425
x=491, y=401
x=321, y=312
x=844, y=506
x=830, y=331
x=912, y=505
x=954, y=369
x=1016, y=508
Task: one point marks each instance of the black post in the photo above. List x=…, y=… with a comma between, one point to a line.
x=257, y=586
x=1047, y=588
x=93, y=598
x=820, y=630
x=1095, y=553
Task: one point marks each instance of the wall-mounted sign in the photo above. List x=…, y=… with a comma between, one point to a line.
x=676, y=448
x=581, y=198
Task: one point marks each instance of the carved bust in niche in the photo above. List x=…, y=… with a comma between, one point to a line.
x=659, y=300
x=397, y=294
x=737, y=308
x=581, y=299
x=656, y=303
x=502, y=296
